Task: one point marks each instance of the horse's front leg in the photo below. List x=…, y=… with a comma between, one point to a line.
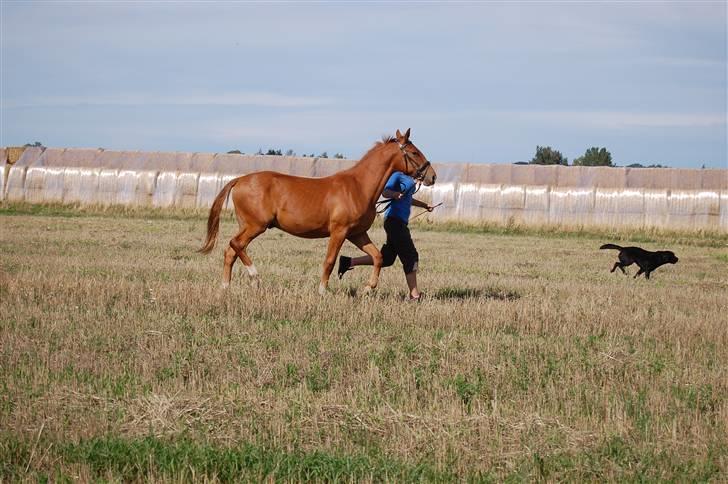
x=336, y=240
x=365, y=244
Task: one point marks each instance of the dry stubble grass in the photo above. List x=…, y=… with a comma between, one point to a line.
x=527, y=360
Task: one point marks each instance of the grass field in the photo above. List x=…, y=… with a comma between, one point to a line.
x=121, y=359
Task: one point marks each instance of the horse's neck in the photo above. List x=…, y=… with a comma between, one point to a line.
x=373, y=172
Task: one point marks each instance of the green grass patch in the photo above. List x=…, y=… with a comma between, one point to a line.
x=131, y=460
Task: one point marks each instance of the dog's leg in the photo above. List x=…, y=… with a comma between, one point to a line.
x=638, y=273
x=647, y=275
x=616, y=264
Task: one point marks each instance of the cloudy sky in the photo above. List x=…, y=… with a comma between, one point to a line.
x=476, y=81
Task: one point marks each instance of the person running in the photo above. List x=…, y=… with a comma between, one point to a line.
x=399, y=189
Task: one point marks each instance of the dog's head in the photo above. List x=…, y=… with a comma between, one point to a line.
x=667, y=257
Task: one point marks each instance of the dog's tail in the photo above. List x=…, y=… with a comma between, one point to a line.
x=611, y=246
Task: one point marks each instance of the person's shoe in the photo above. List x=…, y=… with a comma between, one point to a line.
x=344, y=265
x=416, y=299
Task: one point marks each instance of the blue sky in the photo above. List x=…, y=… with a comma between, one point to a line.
x=482, y=82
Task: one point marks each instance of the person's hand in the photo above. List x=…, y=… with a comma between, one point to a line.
x=430, y=208
x=399, y=196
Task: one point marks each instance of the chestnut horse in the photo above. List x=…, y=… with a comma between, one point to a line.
x=340, y=206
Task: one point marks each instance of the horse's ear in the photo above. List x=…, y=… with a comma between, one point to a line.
x=406, y=135
x=398, y=135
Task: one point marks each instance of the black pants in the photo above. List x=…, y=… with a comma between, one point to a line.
x=399, y=243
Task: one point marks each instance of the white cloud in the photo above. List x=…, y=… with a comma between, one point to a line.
x=260, y=99
x=621, y=120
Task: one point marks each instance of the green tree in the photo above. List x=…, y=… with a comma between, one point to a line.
x=545, y=155
x=595, y=157
x=339, y=156
x=324, y=155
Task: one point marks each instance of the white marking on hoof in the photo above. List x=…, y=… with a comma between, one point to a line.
x=224, y=285
x=322, y=289
x=252, y=271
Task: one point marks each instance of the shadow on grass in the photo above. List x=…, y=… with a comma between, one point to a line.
x=463, y=293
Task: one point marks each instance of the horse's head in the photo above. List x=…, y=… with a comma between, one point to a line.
x=414, y=162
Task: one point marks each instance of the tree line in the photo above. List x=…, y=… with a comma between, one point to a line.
x=594, y=156
x=278, y=152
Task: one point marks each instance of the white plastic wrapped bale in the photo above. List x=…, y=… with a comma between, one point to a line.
x=453, y=173
x=302, y=167
x=324, y=167
x=536, y=205
x=81, y=185
x=500, y=174
x=526, y=175
x=208, y=186
x=685, y=179
x=570, y=176
x=694, y=209
x=444, y=193
x=79, y=157
x=202, y=162
x=15, y=185
x=29, y=156
x=545, y=175
x=716, y=180
x=615, y=207
x=50, y=157
x=605, y=177
x=110, y=159
x=184, y=162
x=512, y=202
x=571, y=206
x=44, y=185
x=165, y=188
x=724, y=210
x=649, y=178
x=107, y=187
x=4, y=169
x=281, y=164
x=186, y=193
x=135, y=188
x=656, y=207
x=489, y=202
x=467, y=202
x=230, y=164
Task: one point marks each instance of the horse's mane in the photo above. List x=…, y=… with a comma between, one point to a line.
x=386, y=139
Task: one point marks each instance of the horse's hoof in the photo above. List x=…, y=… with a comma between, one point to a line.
x=224, y=285
x=367, y=290
x=322, y=289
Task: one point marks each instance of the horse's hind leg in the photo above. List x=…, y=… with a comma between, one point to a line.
x=237, y=248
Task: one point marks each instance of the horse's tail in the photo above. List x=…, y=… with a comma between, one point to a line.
x=213, y=220
x=611, y=246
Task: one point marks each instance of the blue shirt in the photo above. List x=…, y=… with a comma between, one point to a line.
x=399, y=182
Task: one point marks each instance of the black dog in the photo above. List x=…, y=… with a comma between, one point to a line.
x=646, y=260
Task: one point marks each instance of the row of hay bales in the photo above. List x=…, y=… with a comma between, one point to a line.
x=612, y=197
x=582, y=206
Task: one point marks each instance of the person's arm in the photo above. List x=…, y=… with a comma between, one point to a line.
x=387, y=193
x=418, y=203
